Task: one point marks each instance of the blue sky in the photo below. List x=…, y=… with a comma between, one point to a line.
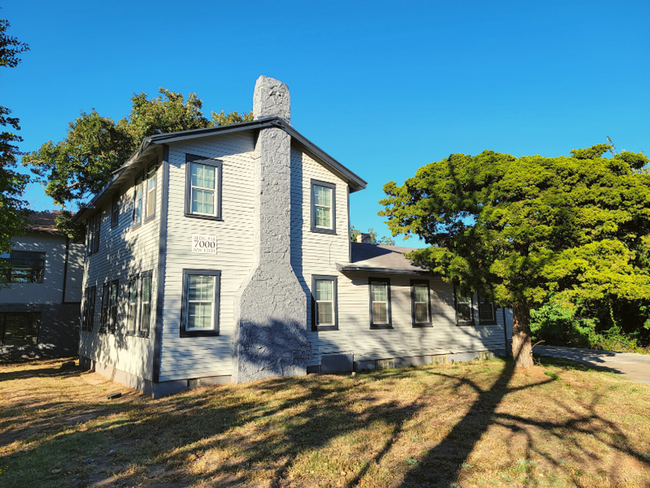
x=384, y=87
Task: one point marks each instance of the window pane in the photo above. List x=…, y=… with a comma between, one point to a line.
x=200, y=316
x=325, y=313
x=203, y=201
x=486, y=312
x=421, y=293
x=203, y=176
x=323, y=218
x=201, y=288
x=146, y=289
x=379, y=313
x=379, y=292
x=421, y=312
x=464, y=308
x=21, y=328
x=324, y=290
x=322, y=196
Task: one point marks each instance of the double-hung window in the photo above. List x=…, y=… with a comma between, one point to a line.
x=380, y=312
x=137, y=202
x=203, y=187
x=115, y=210
x=132, y=307
x=323, y=207
x=324, y=307
x=464, y=308
x=93, y=232
x=486, y=312
x=19, y=328
x=420, y=303
x=145, y=307
x=150, y=186
x=88, y=312
x=200, y=312
x=23, y=267
x=109, y=306
x=138, y=313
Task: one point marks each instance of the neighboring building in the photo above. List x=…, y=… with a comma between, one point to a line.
x=39, y=309
x=223, y=254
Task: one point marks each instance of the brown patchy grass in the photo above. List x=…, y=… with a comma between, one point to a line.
x=467, y=424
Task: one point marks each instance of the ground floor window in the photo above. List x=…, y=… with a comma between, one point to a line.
x=420, y=303
x=200, y=312
x=138, y=313
x=110, y=295
x=324, y=304
x=464, y=308
x=380, y=313
x=88, y=310
x=486, y=312
x=19, y=328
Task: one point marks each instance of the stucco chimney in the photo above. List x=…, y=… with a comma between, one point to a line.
x=271, y=99
x=364, y=238
x=271, y=305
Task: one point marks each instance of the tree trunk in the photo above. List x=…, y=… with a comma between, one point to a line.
x=522, y=349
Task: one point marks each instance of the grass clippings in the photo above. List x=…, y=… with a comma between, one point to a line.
x=471, y=424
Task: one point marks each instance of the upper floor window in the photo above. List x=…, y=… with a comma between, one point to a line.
x=93, y=232
x=200, y=313
x=464, y=308
x=23, y=267
x=137, y=202
x=420, y=303
x=324, y=315
x=323, y=207
x=203, y=187
x=150, y=186
x=380, y=313
x=115, y=210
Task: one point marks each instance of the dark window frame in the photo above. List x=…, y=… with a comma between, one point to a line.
x=136, y=216
x=103, y=315
x=141, y=331
x=3, y=328
x=108, y=316
x=388, y=325
x=471, y=309
x=332, y=186
x=36, y=273
x=428, y=323
x=88, y=312
x=135, y=280
x=314, y=306
x=115, y=210
x=494, y=312
x=185, y=303
x=150, y=172
x=218, y=186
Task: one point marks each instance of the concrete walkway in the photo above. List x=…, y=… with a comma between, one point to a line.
x=634, y=366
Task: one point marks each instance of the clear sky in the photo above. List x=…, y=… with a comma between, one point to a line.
x=384, y=87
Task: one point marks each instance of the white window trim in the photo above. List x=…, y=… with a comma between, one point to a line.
x=335, y=312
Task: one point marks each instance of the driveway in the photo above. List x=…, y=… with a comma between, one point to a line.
x=634, y=366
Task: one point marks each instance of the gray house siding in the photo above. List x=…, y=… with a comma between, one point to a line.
x=125, y=250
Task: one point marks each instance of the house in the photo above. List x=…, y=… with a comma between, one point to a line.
x=40, y=306
x=222, y=254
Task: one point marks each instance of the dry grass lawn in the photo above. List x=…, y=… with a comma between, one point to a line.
x=464, y=425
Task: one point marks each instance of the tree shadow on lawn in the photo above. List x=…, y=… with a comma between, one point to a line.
x=262, y=430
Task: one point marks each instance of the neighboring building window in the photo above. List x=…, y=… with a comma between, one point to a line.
x=137, y=202
x=145, y=307
x=150, y=185
x=108, y=320
x=324, y=304
x=132, y=311
x=486, y=312
x=323, y=199
x=200, y=313
x=115, y=210
x=23, y=267
x=380, y=313
x=19, y=329
x=464, y=308
x=88, y=312
x=420, y=303
x=203, y=187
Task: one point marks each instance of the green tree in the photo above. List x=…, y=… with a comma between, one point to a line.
x=374, y=239
x=95, y=146
x=519, y=230
x=12, y=183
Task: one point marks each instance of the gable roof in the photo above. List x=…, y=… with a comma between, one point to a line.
x=379, y=258
x=150, y=145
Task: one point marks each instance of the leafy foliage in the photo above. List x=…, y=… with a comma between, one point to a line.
x=522, y=229
x=374, y=239
x=95, y=146
x=12, y=183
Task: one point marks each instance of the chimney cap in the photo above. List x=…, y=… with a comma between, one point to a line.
x=364, y=238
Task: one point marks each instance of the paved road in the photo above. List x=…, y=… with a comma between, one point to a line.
x=634, y=366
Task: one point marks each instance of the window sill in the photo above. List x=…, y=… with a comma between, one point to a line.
x=420, y=326
x=323, y=231
x=199, y=333
x=381, y=326
x=203, y=217
x=150, y=218
x=324, y=328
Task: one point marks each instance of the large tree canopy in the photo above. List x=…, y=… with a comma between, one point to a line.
x=520, y=229
x=95, y=146
x=12, y=183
